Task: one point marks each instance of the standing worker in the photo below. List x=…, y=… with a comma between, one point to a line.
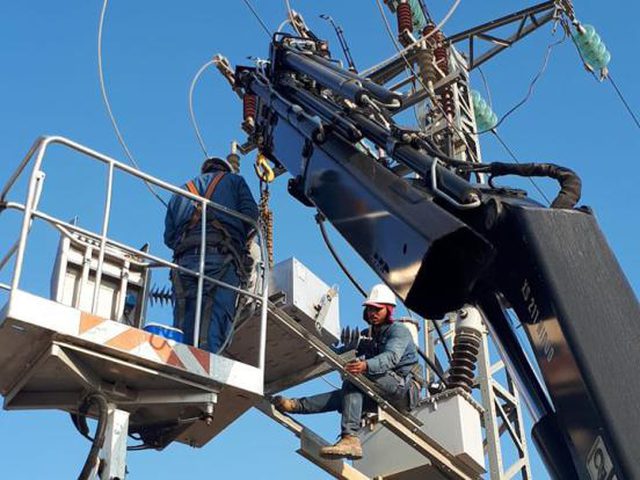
x=225, y=251
x=389, y=359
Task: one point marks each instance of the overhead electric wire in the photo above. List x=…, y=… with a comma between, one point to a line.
x=494, y=129
x=425, y=10
x=515, y=159
x=531, y=88
x=608, y=75
x=105, y=98
x=624, y=101
x=255, y=14
x=191, y=112
x=485, y=83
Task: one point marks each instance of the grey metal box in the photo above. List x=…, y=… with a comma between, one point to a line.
x=451, y=419
x=304, y=297
x=122, y=286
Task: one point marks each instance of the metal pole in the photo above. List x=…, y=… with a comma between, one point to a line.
x=29, y=203
x=103, y=240
x=203, y=247
x=20, y=168
x=40, y=176
x=114, y=451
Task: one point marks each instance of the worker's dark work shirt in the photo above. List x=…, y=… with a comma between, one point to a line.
x=391, y=349
x=232, y=192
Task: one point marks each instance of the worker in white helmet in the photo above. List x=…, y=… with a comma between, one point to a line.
x=388, y=357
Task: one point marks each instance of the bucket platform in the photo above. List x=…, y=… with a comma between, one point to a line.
x=53, y=355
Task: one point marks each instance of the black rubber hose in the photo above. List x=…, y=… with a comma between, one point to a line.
x=570, y=183
x=320, y=219
x=98, y=439
x=442, y=339
x=438, y=371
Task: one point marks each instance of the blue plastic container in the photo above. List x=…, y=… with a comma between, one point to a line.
x=165, y=331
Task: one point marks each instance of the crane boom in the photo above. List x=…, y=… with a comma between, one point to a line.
x=441, y=241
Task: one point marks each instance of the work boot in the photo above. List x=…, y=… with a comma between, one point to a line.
x=347, y=447
x=286, y=405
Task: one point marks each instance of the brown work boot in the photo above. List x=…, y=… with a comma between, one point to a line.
x=286, y=405
x=347, y=447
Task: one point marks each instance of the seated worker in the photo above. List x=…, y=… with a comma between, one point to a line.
x=389, y=359
x=225, y=253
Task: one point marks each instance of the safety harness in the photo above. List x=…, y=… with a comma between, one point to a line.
x=221, y=238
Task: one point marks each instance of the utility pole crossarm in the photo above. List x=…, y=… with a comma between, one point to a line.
x=528, y=20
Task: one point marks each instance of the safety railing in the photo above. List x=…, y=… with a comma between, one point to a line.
x=35, y=156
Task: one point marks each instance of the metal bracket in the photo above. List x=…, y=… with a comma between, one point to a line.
x=324, y=306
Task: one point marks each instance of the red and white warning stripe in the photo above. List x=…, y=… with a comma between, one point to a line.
x=143, y=344
x=40, y=312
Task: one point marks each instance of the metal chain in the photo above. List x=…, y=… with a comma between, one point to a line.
x=267, y=219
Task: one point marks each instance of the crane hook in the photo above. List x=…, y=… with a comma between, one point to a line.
x=264, y=171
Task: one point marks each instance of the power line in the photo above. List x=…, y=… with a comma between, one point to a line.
x=531, y=88
x=191, y=112
x=624, y=101
x=515, y=159
x=486, y=86
x=255, y=14
x=105, y=97
x=613, y=83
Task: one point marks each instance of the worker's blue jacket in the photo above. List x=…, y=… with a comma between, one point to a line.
x=391, y=349
x=232, y=192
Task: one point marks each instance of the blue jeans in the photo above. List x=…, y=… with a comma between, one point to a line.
x=352, y=403
x=218, y=303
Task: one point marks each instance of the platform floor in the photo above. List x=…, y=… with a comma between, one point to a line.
x=52, y=355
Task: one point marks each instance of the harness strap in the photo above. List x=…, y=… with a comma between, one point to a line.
x=197, y=212
x=226, y=241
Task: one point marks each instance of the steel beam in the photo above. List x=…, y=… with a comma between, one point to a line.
x=310, y=444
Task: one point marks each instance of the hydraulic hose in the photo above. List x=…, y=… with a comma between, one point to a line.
x=320, y=220
x=436, y=368
x=570, y=183
x=442, y=339
x=98, y=440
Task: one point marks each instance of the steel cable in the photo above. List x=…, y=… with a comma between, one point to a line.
x=105, y=98
x=191, y=111
x=255, y=14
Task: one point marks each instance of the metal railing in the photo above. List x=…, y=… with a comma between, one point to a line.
x=36, y=155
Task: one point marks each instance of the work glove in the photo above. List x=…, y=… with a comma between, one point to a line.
x=349, y=340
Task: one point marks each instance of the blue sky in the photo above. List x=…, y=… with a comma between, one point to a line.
x=49, y=85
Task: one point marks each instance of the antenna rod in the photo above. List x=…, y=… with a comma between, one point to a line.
x=342, y=40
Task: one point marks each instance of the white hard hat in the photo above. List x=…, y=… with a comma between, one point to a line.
x=380, y=295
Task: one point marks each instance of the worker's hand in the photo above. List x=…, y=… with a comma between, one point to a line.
x=356, y=366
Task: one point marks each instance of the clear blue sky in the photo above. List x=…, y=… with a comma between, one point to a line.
x=49, y=85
